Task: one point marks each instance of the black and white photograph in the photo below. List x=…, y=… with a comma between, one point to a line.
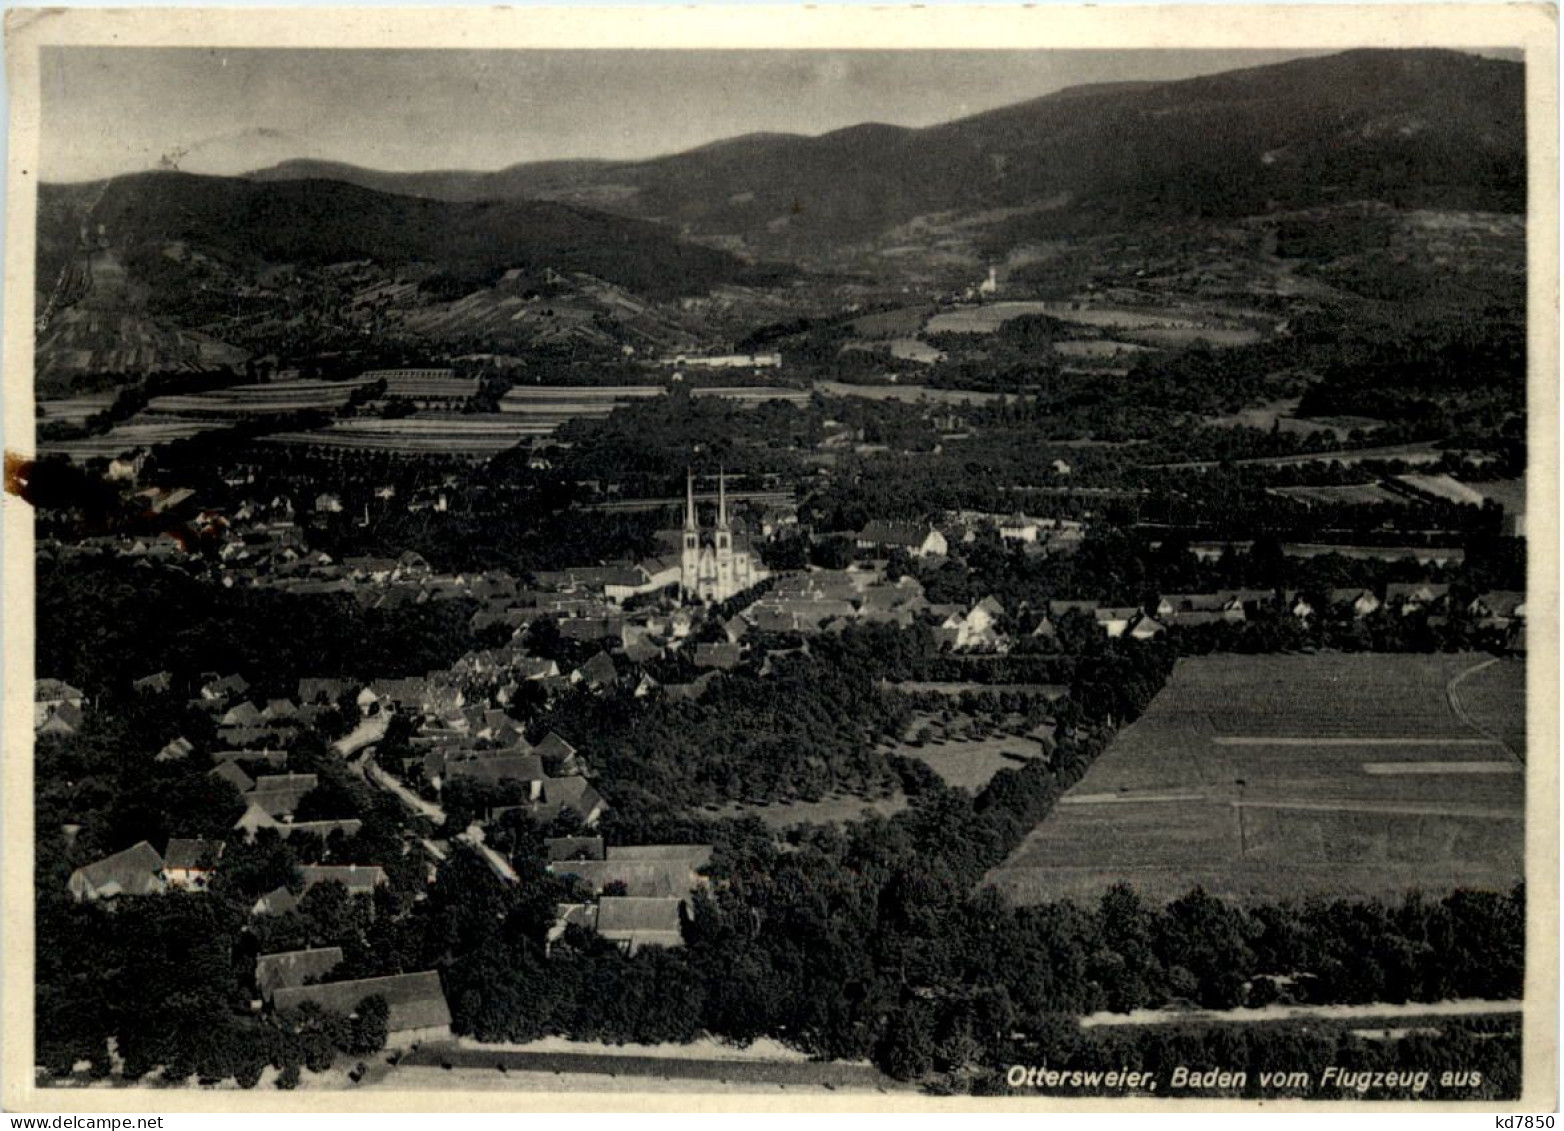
x=815, y=575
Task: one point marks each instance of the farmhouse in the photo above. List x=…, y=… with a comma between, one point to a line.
x=574, y=793
x=230, y=772
x=138, y=870
x=1116, y=621
x=645, y=871
x=500, y=767
x=290, y=969
x=1359, y=602
x=359, y=879
x=417, y=1006
x=63, y=720
x=49, y=695
x=190, y=864
x=921, y=541
x=574, y=848
x=635, y=923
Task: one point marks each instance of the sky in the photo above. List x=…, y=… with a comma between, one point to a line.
x=109, y=110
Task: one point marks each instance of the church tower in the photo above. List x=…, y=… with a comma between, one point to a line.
x=689, y=561
x=724, y=540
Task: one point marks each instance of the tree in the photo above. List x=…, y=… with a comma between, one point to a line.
x=367, y=1030
x=907, y=1049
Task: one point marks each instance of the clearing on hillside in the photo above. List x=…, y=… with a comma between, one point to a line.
x=1268, y=777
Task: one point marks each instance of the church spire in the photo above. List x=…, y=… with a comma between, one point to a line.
x=689, y=499
x=722, y=499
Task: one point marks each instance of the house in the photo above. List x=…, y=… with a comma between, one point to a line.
x=1060, y=609
x=241, y=737
x=497, y=768
x=275, y=759
x=325, y=691
x=190, y=864
x=49, y=695
x=1499, y=604
x=648, y=576
x=534, y=667
x=1195, y=619
x=66, y=719
x=574, y=793
x=347, y=826
x=177, y=750
x=724, y=656
x=918, y=539
x=1413, y=597
x=645, y=871
x=417, y=1005
x=138, y=870
x=279, y=794
x=155, y=684
x=221, y=690
x=1360, y=602
x=635, y=922
x=359, y=879
x=1174, y=603
x=1146, y=628
x=245, y=714
x=567, y=915
x=402, y=694
x=230, y=772
x=278, y=901
x=1019, y=528
x=597, y=673
x=555, y=751
x=574, y=848
x=978, y=627
x=291, y=969
x=1115, y=621
x=280, y=710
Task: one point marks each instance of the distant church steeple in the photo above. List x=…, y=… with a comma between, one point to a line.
x=717, y=570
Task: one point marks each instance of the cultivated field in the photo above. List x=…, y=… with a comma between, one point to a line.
x=138, y=432
x=237, y=401
x=1282, y=776
x=473, y=436
x=1156, y=326
x=907, y=394
x=1493, y=700
x=1356, y=494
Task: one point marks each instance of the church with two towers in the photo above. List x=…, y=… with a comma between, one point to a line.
x=713, y=567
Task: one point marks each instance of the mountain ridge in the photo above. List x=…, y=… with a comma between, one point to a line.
x=1413, y=129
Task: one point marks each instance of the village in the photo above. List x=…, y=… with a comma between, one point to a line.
x=708, y=600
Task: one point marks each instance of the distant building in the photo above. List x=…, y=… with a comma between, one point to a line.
x=919, y=540
x=138, y=870
x=290, y=969
x=190, y=864
x=712, y=568
x=417, y=1005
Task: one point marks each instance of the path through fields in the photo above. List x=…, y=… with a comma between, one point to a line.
x=1453, y=695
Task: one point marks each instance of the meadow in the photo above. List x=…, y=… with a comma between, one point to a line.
x=1269, y=777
